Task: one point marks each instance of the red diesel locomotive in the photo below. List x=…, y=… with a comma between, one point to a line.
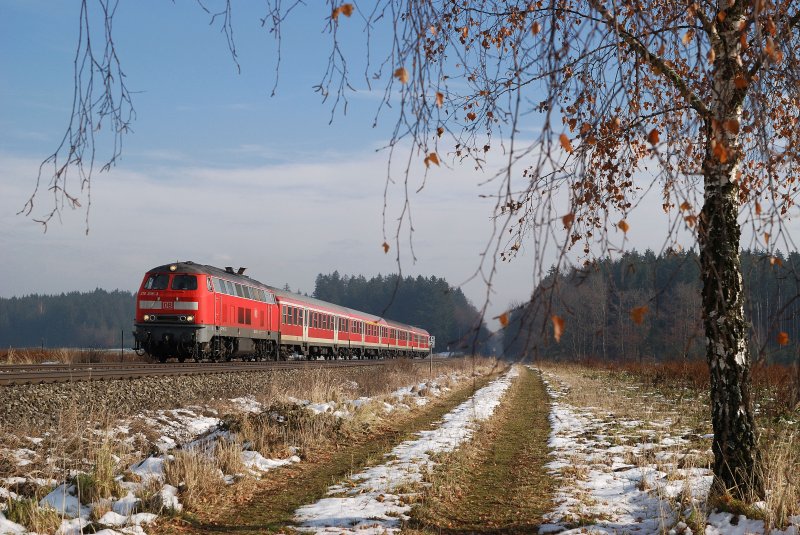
x=187, y=310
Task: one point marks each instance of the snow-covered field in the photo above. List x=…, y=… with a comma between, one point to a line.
x=188, y=428
x=630, y=476
x=617, y=474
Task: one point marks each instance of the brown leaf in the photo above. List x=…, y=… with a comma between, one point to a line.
x=385, y=247
x=565, y=144
x=431, y=158
x=731, y=125
x=773, y=260
x=685, y=206
x=624, y=226
x=638, y=314
x=652, y=137
x=440, y=131
x=558, y=327
x=740, y=82
x=503, y=319
x=567, y=220
x=347, y=9
x=712, y=56
x=471, y=116
x=535, y=28
x=402, y=75
x=783, y=338
x=691, y=220
x=766, y=237
x=439, y=99
x=758, y=208
x=687, y=37
x=719, y=151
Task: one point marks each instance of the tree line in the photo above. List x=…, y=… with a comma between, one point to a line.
x=95, y=319
x=643, y=306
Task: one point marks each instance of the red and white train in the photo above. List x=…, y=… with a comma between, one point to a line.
x=187, y=310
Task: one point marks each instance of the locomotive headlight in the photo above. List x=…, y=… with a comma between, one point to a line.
x=190, y=318
x=173, y=267
x=146, y=317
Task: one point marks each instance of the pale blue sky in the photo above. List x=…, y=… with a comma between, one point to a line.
x=216, y=170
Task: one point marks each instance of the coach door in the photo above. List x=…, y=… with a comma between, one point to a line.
x=336, y=320
x=305, y=324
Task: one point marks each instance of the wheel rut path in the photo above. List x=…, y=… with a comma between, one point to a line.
x=269, y=505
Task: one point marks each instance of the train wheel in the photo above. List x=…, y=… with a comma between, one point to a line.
x=162, y=359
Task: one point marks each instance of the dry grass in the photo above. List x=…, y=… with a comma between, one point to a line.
x=66, y=356
x=26, y=511
x=678, y=393
x=497, y=481
x=228, y=457
x=100, y=482
x=195, y=474
x=81, y=440
x=780, y=465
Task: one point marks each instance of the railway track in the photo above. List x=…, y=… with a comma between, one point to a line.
x=21, y=374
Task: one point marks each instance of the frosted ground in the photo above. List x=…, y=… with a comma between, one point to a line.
x=601, y=490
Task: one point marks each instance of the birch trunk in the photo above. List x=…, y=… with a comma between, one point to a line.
x=734, y=447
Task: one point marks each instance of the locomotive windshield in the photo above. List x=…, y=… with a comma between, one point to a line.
x=159, y=281
x=184, y=282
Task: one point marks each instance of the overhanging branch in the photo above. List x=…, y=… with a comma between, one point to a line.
x=655, y=61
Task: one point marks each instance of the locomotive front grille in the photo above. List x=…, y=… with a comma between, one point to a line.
x=167, y=318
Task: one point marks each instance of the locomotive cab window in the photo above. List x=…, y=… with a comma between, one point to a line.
x=159, y=281
x=184, y=282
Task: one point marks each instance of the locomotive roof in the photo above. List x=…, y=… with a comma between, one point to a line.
x=191, y=267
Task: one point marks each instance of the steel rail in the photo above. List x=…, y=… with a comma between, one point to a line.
x=46, y=374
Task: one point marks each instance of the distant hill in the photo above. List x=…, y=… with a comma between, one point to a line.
x=75, y=319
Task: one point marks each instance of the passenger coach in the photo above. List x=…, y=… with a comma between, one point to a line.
x=187, y=310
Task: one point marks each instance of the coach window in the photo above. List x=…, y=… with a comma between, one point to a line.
x=184, y=282
x=159, y=281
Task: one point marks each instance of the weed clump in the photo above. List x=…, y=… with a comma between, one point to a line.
x=26, y=511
